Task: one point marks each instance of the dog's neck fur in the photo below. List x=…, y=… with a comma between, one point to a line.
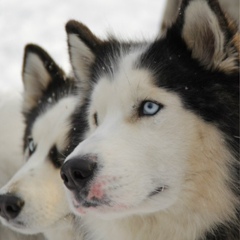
x=61, y=231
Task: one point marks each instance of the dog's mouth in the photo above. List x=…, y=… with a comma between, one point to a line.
x=99, y=207
x=14, y=224
x=25, y=228
x=82, y=203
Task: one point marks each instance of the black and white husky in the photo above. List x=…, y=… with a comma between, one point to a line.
x=160, y=158
x=33, y=200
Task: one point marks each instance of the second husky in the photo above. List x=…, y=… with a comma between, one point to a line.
x=33, y=201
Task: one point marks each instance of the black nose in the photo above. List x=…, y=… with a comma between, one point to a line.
x=77, y=172
x=10, y=206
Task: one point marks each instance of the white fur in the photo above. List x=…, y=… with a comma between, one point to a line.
x=11, y=124
x=11, y=128
x=83, y=59
x=35, y=78
x=38, y=182
x=173, y=149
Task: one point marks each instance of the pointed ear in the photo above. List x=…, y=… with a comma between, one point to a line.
x=209, y=35
x=39, y=70
x=82, y=45
x=170, y=15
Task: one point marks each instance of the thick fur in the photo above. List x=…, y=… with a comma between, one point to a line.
x=11, y=123
x=230, y=8
x=49, y=101
x=172, y=175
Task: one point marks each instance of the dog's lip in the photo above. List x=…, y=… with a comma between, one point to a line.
x=22, y=225
x=158, y=190
x=14, y=223
x=89, y=203
x=19, y=223
x=81, y=202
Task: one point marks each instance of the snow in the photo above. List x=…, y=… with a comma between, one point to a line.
x=43, y=22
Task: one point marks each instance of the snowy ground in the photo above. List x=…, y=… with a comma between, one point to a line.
x=42, y=22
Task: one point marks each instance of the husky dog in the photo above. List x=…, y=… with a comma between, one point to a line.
x=11, y=124
x=160, y=155
x=34, y=201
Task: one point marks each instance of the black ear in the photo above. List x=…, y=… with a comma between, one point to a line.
x=82, y=45
x=39, y=70
x=209, y=34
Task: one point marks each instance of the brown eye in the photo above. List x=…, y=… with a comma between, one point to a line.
x=95, y=118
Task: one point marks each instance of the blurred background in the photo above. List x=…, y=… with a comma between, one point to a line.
x=43, y=22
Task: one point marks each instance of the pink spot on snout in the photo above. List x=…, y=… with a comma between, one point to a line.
x=96, y=191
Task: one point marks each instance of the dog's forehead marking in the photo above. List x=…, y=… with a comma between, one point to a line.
x=52, y=127
x=129, y=86
x=127, y=78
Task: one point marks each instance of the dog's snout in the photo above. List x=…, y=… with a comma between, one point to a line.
x=10, y=206
x=76, y=172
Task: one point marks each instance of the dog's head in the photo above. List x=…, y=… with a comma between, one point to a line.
x=34, y=200
x=157, y=128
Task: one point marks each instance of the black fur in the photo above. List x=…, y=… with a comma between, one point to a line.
x=79, y=125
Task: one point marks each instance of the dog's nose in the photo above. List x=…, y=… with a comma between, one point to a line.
x=77, y=172
x=10, y=206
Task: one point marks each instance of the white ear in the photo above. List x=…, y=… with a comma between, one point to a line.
x=35, y=76
x=204, y=33
x=39, y=70
x=35, y=79
x=81, y=58
x=82, y=45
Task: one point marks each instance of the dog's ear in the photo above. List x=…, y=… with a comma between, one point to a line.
x=169, y=15
x=211, y=37
x=82, y=45
x=38, y=71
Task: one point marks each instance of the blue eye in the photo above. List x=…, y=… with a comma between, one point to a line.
x=31, y=146
x=150, y=108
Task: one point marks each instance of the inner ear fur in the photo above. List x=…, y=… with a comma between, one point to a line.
x=209, y=35
x=82, y=46
x=38, y=71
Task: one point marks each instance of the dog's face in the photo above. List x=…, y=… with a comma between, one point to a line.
x=38, y=183
x=152, y=112
x=33, y=200
x=138, y=141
